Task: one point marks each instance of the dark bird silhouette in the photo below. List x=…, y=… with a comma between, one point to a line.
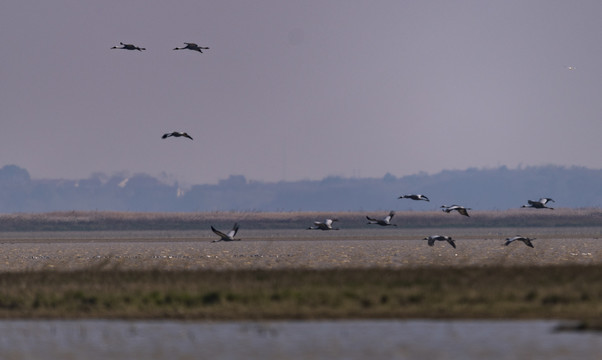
x=461, y=209
x=525, y=240
x=326, y=225
x=414, y=197
x=226, y=237
x=176, y=134
x=384, y=222
x=541, y=204
x=192, y=46
x=431, y=240
x=128, y=47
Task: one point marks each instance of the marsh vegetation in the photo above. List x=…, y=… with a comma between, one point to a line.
x=551, y=292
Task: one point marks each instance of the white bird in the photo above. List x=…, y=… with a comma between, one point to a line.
x=226, y=237
x=431, y=240
x=541, y=204
x=128, y=47
x=414, y=197
x=176, y=134
x=461, y=209
x=192, y=46
x=326, y=225
x=525, y=240
x=384, y=222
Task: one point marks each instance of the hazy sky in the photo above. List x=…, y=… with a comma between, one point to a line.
x=298, y=89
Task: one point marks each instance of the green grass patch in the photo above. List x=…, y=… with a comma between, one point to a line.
x=555, y=292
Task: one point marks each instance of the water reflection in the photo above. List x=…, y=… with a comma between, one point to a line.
x=102, y=339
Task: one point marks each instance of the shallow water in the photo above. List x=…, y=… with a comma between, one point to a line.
x=381, y=339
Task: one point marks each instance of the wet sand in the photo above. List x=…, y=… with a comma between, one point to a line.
x=285, y=249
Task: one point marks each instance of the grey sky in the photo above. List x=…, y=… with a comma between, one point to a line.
x=298, y=89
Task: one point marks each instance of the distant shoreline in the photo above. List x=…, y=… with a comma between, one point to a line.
x=117, y=220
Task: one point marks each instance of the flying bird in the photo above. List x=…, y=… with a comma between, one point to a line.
x=461, y=209
x=226, y=237
x=192, y=46
x=525, y=240
x=128, y=47
x=326, y=225
x=176, y=134
x=431, y=240
x=414, y=197
x=540, y=204
x=384, y=222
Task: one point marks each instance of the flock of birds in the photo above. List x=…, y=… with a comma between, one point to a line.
x=327, y=224
x=189, y=46
x=386, y=221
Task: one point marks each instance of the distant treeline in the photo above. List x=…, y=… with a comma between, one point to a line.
x=480, y=189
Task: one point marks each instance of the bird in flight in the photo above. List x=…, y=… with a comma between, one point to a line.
x=192, y=46
x=414, y=197
x=540, y=204
x=460, y=209
x=176, y=134
x=525, y=240
x=226, y=237
x=326, y=225
x=384, y=222
x=128, y=47
x=431, y=240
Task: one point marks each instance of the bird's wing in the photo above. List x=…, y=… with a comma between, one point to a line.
x=219, y=233
x=451, y=242
x=431, y=241
x=234, y=230
x=371, y=219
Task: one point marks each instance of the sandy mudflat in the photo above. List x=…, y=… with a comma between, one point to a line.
x=264, y=249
